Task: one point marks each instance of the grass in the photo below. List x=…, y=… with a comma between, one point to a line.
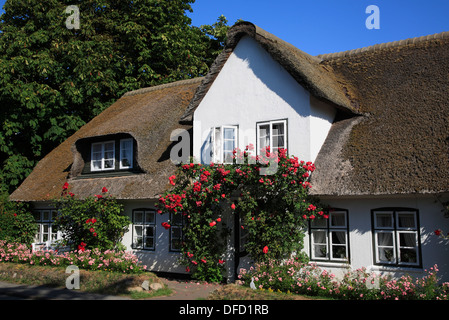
x=101, y=282
x=238, y=292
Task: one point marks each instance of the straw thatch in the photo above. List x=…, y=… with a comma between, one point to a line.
x=401, y=144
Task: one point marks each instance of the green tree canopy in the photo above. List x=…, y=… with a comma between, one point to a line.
x=54, y=79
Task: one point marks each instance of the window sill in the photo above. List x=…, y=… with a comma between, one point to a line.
x=107, y=174
x=336, y=264
x=396, y=268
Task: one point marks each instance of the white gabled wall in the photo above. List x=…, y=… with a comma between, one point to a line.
x=251, y=88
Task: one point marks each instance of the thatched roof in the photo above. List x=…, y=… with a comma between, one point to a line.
x=391, y=135
x=149, y=115
x=401, y=144
x=318, y=79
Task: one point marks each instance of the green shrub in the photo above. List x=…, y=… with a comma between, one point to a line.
x=94, y=222
x=16, y=222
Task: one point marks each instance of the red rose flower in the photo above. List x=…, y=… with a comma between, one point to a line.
x=65, y=186
x=213, y=223
x=166, y=225
x=104, y=190
x=265, y=249
x=437, y=232
x=233, y=206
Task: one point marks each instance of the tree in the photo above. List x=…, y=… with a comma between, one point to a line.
x=54, y=79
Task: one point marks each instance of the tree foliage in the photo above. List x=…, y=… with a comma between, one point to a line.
x=54, y=79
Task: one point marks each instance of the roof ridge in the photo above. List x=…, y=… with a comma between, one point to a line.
x=163, y=86
x=327, y=56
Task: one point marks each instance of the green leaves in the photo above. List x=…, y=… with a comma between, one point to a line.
x=97, y=221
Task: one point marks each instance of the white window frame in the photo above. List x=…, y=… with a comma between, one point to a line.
x=395, y=230
x=131, y=153
x=270, y=124
x=218, y=157
x=44, y=219
x=103, y=143
x=328, y=230
x=143, y=224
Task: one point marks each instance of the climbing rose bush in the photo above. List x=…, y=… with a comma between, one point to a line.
x=268, y=193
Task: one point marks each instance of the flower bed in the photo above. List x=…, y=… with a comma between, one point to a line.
x=94, y=259
x=292, y=276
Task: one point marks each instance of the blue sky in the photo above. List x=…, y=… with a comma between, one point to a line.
x=329, y=25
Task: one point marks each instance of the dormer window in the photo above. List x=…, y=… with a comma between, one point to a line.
x=109, y=155
x=105, y=157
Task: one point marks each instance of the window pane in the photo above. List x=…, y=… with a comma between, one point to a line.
x=320, y=251
x=138, y=231
x=407, y=239
x=278, y=129
x=338, y=252
x=109, y=147
x=176, y=232
x=149, y=217
x=385, y=239
x=338, y=237
x=96, y=148
x=227, y=157
x=176, y=219
x=319, y=236
x=229, y=133
x=229, y=145
x=264, y=138
x=96, y=164
x=149, y=231
x=384, y=220
x=408, y=255
x=386, y=254
x=138, y=217
x=406, y=220
x=317, y=223
x=149, y=243
x=108, y=164
x=217, y=144
x=338, y=219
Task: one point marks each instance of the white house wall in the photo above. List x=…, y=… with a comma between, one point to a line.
x=160, y=259
x=433, y=249
x=251, y=88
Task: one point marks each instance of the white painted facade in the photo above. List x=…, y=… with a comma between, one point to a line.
x=433, y=250
x=253, y=88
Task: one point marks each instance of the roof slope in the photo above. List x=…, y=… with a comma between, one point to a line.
x=318, y=79
x=149, y=115
x=401, y=144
